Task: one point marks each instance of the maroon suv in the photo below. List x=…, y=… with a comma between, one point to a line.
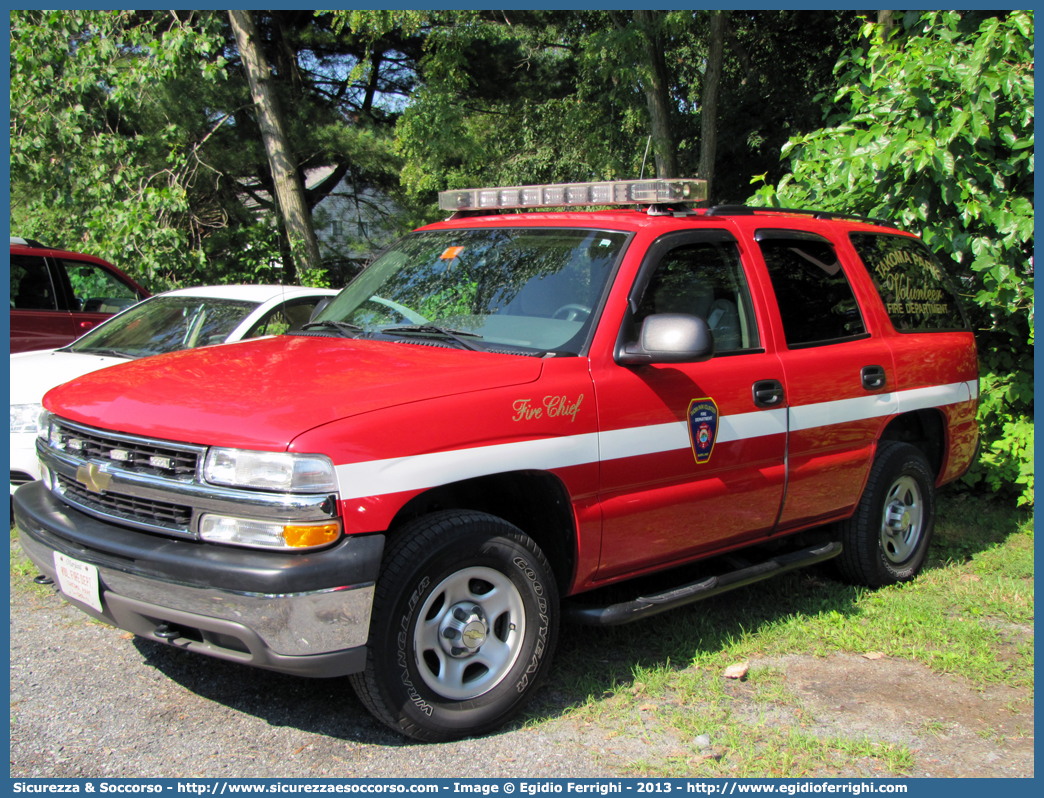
x=57, y=296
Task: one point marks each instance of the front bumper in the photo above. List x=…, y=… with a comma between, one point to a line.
x=306, y=614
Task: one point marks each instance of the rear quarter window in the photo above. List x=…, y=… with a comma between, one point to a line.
x=911, y=282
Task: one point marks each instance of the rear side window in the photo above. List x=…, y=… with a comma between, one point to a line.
x=815, y=300
x=31, y=286
x=910, y=281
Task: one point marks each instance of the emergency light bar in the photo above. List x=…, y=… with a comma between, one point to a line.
x=612, y=192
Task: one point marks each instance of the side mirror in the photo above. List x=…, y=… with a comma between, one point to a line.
x=669, y=338
x=320, y=306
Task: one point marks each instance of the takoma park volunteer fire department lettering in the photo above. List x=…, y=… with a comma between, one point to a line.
x=499, y=426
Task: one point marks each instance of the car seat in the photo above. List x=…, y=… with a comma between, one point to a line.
x=35, y=291
x=724, y=323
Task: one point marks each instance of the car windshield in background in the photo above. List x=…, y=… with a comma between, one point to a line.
x=530, y=289
x=165, y=324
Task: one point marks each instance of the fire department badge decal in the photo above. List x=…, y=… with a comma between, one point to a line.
x=703, y=427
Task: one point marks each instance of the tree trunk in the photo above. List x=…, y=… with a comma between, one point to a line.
x=657, y=94
x=886, y=21
x=289, y=190
x=709, y=105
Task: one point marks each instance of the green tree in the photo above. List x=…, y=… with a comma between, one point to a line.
x=775, y=65
x=82, y=174
x=932, y=127
x=509, y=97
x=340, y=95
x=134, y=136
x=286, y=177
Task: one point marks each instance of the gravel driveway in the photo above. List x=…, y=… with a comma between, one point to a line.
x=88, y=700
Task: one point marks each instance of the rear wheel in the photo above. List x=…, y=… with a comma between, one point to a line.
x=886, y=539
x=464, y=622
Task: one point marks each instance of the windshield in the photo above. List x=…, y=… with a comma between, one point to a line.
x=165, y=324
x=503, y=289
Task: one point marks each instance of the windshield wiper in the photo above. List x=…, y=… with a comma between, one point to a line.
x=431, y=329
x=341, y=326
x=109, y=352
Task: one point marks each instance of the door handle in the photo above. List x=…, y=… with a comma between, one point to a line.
x=768, y=393
x=873, y=377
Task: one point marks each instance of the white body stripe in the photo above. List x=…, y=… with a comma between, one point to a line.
x=752, y=425
x=657, y=438
x=937, y=396
x=376, y=477
x=396, y=474
x=842, y=411
x=643, y=440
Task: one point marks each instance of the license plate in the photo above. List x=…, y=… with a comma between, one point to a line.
x=78, y=580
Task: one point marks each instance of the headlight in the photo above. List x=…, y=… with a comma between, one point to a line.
x=283, y=471
x=267, y=534
x=26, y=418
x=48, y=431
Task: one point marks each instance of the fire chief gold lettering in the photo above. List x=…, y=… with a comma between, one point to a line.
x=551, y=406
x=524, y=411
x=560, y=406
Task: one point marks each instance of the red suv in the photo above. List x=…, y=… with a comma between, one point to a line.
x=56, y=296
x=510, y=420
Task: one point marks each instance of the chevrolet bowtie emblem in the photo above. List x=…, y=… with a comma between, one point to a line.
x=93, y=478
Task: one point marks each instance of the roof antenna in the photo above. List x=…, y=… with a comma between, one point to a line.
x=642, y=175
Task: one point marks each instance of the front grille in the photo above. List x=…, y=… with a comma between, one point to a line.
x=155, y=485
x=130, y=454
x=172, y=517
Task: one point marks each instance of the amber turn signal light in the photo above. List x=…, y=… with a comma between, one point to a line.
x=311, y=535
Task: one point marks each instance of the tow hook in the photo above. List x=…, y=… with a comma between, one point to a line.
x=166, y=632
x=42, y=579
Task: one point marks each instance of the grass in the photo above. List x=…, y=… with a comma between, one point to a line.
x=22, y=569
x=21, y=566
x=669, y=717
x=969, y=614
x=653, y=688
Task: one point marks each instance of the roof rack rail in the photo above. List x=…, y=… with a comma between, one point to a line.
x=28, y=242
x=749, y=210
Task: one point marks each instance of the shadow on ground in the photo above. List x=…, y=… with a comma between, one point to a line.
x=589, y=660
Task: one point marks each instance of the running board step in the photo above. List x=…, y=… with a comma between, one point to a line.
x=644, y=606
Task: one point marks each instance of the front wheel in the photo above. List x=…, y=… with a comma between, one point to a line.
x=464, y=622
x=886, y=539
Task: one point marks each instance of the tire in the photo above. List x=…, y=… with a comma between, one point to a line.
x=886, y=539
x=463, y=627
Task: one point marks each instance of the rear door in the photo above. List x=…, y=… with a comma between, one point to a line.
x=840, y=378
x=690, y=462
x=39, y=317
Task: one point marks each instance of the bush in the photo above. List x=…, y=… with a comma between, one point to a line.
x=932, y=127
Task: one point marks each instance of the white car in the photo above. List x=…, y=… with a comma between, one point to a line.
x=182, y=319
